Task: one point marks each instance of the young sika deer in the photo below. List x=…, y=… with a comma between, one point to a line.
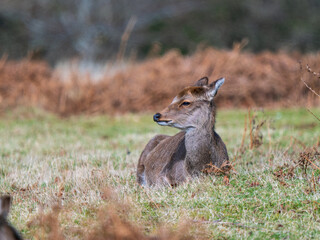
x=7, y=232
x=174, y=159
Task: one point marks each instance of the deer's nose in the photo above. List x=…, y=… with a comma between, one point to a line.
x=156, y=117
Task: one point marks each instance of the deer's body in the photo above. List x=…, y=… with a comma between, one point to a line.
x=7, y=232
x=174, y=159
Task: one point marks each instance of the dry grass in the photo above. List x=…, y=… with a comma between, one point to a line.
x=264, y=79
x=110, y=224
x=74, y=178
x=60, y=171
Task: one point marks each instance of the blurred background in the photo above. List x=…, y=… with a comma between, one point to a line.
x=56, y=30
x=81, y=79
x=109, y=56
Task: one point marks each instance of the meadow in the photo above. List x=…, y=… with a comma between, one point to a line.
x=74, y=178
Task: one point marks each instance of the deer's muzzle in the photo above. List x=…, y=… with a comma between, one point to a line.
x=156, y=117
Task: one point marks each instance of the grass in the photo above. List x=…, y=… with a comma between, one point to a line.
x=76, y=163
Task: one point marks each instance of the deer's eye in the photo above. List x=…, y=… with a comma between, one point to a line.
x=185, y=103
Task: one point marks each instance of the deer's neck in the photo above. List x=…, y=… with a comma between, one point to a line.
x=199, y=146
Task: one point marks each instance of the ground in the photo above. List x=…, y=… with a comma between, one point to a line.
x=86, y=164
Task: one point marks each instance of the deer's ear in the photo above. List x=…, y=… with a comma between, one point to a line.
x=214, y=87
x=201, y=82
x=5, y=202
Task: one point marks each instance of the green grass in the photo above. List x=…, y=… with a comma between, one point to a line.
x=45, y=160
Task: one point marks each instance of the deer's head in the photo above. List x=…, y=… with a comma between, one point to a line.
x=192, y=107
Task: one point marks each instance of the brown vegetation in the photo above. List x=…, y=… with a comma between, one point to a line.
x=111, y=224
x=252, y=80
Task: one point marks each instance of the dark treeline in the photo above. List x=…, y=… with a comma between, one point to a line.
x=92, y=29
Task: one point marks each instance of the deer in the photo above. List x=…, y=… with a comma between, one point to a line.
x=7, y=231
x=172, y=160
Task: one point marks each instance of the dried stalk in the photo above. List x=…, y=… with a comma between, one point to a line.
x=125, y=37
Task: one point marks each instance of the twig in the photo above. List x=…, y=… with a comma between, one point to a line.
x=298, y=141
x=313, y=72
x=234, y=158
x=309, y=87
x=220, y=170
x=250, y=127
x=313, y=114
x=290, y=145
x=125, y=37
x=244, y=133
x=312, y=163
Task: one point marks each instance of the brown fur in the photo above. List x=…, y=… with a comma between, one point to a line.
x=174, y=159
x=193, y=91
